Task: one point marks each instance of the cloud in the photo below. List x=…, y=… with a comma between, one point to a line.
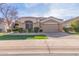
x=62, y=13
x=23, y=13
x=29, y=5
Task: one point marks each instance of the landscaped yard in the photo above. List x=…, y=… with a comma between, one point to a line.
x=21, y=37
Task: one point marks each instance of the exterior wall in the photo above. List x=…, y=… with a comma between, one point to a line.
x=60, y=26
x=50, y=22
x=35, y=25
x=22, y=25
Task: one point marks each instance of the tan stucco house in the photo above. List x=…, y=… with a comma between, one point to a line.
x=47, y=24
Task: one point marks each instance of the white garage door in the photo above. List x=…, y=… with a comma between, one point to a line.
x=50, y=28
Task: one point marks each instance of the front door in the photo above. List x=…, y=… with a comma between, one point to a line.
x=28, y=25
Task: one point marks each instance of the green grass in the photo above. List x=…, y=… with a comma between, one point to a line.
x=22, y=37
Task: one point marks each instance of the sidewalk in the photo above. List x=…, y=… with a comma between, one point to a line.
x=40, y=47
x=23, y=47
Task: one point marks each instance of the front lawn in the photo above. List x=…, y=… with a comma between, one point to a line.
x=22, y=37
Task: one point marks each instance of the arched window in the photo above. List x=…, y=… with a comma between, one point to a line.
x=28, y=24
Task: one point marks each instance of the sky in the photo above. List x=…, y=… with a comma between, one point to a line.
x=60, y=10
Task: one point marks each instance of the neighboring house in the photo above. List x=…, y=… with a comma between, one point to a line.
x=2, y=25
x=67, y=23
x=47, y=24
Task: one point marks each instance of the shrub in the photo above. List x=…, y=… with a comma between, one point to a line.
x=36, y=29
x=8, y=30
x=30, y=30
x=21, y=30
x=75, y=25
x=65, y=29
x=40, y=30
x=15, y=25
x=68, y=30
x=15, y=30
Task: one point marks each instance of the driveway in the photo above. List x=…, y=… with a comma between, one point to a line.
x=61, y=35
x=63, y=43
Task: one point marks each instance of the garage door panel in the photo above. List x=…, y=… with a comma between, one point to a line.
x=50, y=28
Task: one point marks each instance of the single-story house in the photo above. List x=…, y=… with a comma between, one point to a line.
x=67, y=23
x=47, y=24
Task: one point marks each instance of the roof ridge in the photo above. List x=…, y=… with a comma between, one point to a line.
x=71, y=19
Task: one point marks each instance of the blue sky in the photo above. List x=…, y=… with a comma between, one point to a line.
x=59, y=10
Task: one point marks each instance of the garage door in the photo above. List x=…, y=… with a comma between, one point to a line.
x=50, y=28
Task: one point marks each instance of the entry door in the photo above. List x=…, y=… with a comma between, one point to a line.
x=28, y=24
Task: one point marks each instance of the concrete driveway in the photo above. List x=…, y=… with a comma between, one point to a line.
x=61, y=35
x=63, y=43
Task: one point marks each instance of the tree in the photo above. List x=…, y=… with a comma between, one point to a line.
x=8, y=12
x=75, y=25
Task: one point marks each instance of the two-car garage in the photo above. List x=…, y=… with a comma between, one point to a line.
x=51, y=26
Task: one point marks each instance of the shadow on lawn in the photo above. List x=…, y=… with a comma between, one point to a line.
x=13, y=37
